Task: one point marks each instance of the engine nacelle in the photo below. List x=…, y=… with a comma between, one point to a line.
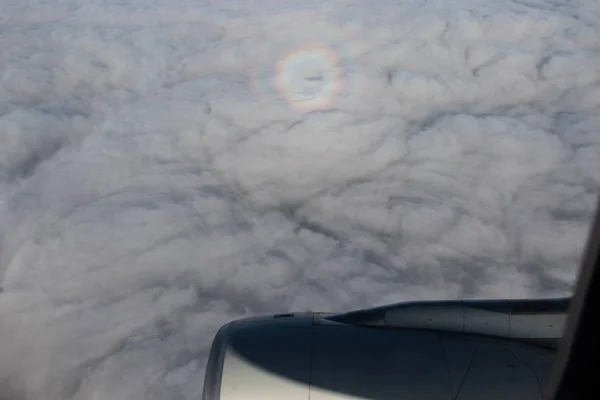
x=307, y=356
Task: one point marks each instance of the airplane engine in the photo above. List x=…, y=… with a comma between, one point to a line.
x=436, y=353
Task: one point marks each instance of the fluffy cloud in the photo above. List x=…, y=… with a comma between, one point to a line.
x=166, y=167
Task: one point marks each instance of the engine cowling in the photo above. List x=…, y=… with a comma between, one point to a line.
x=306, y=356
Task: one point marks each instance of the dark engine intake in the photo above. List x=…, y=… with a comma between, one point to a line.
x=453, y=352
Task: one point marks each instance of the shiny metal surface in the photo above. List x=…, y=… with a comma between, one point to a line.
x=304, y=356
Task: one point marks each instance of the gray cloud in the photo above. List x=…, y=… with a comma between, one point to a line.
x=166, y=167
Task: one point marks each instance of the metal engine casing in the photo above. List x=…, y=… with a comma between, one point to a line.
x=305, y=356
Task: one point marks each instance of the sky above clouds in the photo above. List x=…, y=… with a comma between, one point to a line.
x=167, y=166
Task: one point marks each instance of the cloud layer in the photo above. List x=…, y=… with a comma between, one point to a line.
x=166, y=167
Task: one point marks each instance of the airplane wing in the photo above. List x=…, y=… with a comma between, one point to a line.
x=452, y=350
x=457, y=350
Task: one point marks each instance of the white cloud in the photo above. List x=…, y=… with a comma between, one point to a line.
x=158, y=177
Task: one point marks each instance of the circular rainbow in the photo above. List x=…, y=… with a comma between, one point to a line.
x=310, y=78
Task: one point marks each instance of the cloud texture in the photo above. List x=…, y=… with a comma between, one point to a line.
x=167, y=166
